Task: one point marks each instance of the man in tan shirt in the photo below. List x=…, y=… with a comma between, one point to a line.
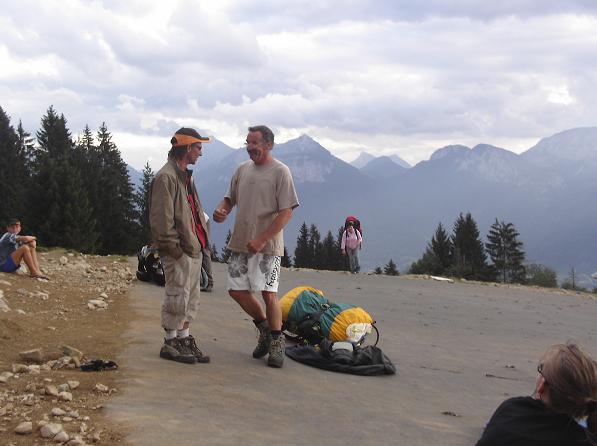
x=263, y=192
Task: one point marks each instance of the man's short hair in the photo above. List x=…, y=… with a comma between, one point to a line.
x=266, y=133
x=13, y=222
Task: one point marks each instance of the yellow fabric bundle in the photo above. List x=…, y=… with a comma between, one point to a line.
x=345, y=319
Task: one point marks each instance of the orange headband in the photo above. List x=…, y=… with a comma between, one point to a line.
x=186, y=140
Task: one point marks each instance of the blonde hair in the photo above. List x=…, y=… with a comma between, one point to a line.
x=571, y=378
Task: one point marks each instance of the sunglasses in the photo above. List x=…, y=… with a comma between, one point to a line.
x=540, y=371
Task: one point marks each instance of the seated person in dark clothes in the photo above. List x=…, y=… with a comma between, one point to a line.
x=562, y=410
x=15, y=248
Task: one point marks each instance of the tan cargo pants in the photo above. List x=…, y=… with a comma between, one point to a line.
x=181, y=301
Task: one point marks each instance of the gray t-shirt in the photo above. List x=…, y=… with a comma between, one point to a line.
x=260, y=193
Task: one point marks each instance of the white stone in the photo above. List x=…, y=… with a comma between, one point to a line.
x=65, y=396
x=98, y=303
x=51, y=390
x=63, y=388
x=61, y=437
x=4, y=308
x=19, y=311
x=19, y=368
x=24, y=428
x=71, y=351
x=4, y=376
x=50, y=430
x=101, y=388
x=63, y=260
x=57, y=412
x=73, y=384
x=77, y=441
x=35, y=355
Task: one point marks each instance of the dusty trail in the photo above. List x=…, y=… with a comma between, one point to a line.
x=460, y=349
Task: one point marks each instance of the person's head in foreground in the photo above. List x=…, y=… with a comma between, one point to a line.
x=562, y=410
x=567, y=383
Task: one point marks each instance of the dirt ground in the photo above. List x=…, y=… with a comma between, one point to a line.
x=465, y=346
x=48, y=316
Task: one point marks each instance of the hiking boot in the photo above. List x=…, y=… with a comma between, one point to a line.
x=276, y=352
x=191, y=345
x=263, y=341
x=174, y=350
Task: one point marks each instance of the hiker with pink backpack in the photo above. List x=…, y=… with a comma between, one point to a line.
x=352, y=240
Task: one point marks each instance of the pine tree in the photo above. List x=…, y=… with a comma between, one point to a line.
x=390, y=269
x=378, y=270
x=226, y=252
x=285, y=261
x=214, y=253
x=315, y=248
x=468, y=255
x=437, y=258
x=142, y=203
x=329, y=253
x=428, y=264
x=25, y=143
x=301, y=252
x=114, y=203
x=441, y=246
x=58, y=193
x=13, y=172
x=505, y=251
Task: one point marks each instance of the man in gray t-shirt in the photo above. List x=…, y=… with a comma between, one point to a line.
x=263, y=192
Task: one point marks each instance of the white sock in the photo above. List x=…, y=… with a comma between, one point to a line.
x=183, y=333
x=170, y=334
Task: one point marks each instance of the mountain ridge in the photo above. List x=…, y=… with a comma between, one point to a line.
x=536, y=191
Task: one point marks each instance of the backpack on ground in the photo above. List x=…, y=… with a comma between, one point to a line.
x=150, y=268
x=309, y=317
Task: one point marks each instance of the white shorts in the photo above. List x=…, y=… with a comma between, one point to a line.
x=253, y=272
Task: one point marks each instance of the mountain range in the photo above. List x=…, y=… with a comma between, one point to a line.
x=547, y=192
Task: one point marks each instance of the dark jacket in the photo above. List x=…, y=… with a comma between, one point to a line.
x=525, y=421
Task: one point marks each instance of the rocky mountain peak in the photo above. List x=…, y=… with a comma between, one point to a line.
x=450, y=151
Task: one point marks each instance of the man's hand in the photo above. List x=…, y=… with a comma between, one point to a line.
x=343, y=252
x=256, y=245
x=220, y=215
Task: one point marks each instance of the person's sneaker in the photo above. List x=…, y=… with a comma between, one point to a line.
x=276, y=352
x=191, y=345
x=263, y=341
x=175, y=351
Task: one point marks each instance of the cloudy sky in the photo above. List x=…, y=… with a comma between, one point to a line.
x=387, y=77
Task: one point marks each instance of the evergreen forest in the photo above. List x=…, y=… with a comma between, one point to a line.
x=74, y=194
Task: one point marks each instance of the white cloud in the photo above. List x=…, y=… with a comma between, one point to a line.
x=385, y=77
